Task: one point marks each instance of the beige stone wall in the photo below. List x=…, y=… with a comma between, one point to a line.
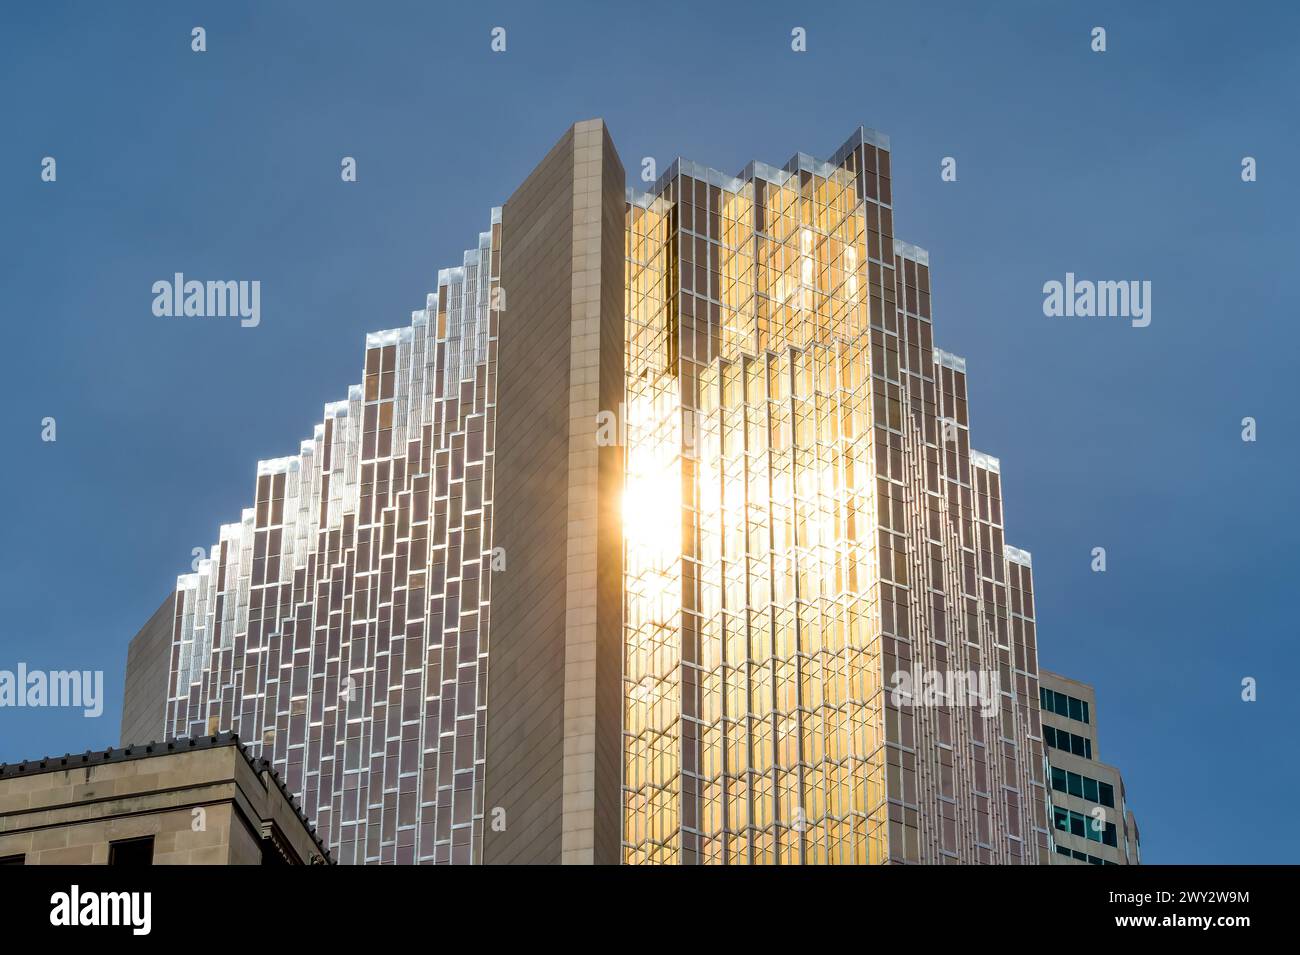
x=175, y=841
x=607, y=778
x=592, y=731
x=203, y=807
x=554, y=722
x=148, y=660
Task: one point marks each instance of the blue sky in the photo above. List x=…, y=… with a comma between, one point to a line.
x=1120, y=165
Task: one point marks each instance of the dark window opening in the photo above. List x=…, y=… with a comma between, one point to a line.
x=131, y=852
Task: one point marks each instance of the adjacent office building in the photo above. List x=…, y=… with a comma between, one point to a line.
x=657, y=535
x=1091, y=819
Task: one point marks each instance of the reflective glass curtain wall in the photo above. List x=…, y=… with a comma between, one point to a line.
x=785, y=399
x=340, y=628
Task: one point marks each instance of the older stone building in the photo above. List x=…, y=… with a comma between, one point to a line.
x=185, y=802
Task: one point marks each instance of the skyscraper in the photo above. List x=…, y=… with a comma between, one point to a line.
x=656, y=536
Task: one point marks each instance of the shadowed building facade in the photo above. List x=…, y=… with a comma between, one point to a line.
x=626, y=547
x=144, y=696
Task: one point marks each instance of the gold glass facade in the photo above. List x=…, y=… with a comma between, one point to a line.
x=785, y=400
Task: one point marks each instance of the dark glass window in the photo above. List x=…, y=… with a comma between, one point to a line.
x=1059, y=779
x=1094, y=831
x=1063, y=705
x=131, y=852
x=1075, y=785
x=1085, y=787
x=13, y=860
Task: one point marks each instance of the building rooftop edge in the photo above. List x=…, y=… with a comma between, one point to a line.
x=907, y=250
x=757, y=169
x=184, y=744
x=1015, y=554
